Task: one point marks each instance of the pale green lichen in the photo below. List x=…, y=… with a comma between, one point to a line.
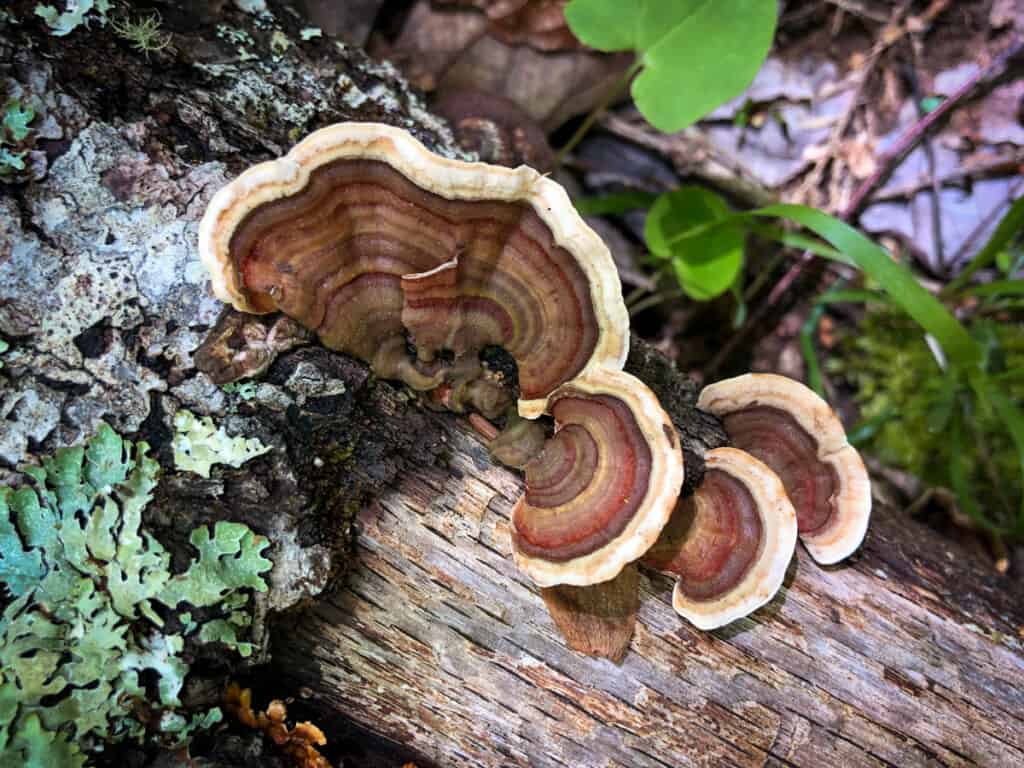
x=4, y=346
x=76, y=13
x=309, y=33
x=14, y=130
x=198, y=445
x=81, y=630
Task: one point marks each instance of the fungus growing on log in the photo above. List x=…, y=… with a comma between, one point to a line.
x=603, y=487
x=793, y=431
x=363, y=235
x=729, y=543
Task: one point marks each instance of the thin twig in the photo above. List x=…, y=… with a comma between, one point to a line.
x=934, y=197
x=888, y=163
x=915, y=133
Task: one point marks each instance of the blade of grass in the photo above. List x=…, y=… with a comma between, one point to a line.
x=799, y=241
x=995, y=288
x=895, y=279
x=807, y=331
x=1013, y=418
x=852, y=296
x=1008, y=227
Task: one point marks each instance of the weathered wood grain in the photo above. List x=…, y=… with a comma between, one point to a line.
x=910, y=655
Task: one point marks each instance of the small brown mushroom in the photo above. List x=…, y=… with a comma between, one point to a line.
x=793, y=431
x=729, y=543
x=361, y=234
x=603, y=487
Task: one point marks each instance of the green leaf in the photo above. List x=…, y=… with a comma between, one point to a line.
x=807, y=332
x=995, y=288
x=601, y=24
x=896, y=279
x=696, y=54
x=710, y=57
x=705, y=264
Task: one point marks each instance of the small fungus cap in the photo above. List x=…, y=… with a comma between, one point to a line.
x=792, y=430
x=603, y=487
x=729, y=543
x=363, y=235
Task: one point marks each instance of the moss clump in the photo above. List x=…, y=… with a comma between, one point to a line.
x=922, y=418
x=82, y=647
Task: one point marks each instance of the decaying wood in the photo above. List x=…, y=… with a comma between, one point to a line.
x=910, y=654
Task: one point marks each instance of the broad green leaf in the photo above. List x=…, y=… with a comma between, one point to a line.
x=706, y=264
x=896, y=279
x=696, y=54
x=710, y=57
x=603, y=25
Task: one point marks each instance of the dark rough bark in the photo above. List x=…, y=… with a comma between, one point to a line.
x=909, y=655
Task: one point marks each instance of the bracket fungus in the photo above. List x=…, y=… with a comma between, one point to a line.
x=792, y=430
x=442, y=274
x=729, y=543
x=603, y=487
x=363, y=235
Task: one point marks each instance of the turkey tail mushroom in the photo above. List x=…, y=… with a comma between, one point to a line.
x=793, y=431
x=363, y=235
x=729, y=543
x=603, y=487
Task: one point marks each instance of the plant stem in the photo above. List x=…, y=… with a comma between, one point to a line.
x=613, y=93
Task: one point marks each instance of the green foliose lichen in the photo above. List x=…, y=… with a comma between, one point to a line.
x=75, y=14
x=910, y=407
x=82, y=651
x=14, y=135
x=198, y=445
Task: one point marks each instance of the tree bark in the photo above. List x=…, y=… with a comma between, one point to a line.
x=911, y=654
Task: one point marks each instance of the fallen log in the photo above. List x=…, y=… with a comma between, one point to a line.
x=909, y=654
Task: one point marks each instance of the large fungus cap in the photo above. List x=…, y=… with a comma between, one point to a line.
x=603, y=487
x=729, y=543
x=793, y=431
x=363, y=235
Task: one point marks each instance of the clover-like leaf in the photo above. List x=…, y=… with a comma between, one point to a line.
x=705, y=260
x=694, y=54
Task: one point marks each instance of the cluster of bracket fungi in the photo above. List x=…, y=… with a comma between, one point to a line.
x=421, y=265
